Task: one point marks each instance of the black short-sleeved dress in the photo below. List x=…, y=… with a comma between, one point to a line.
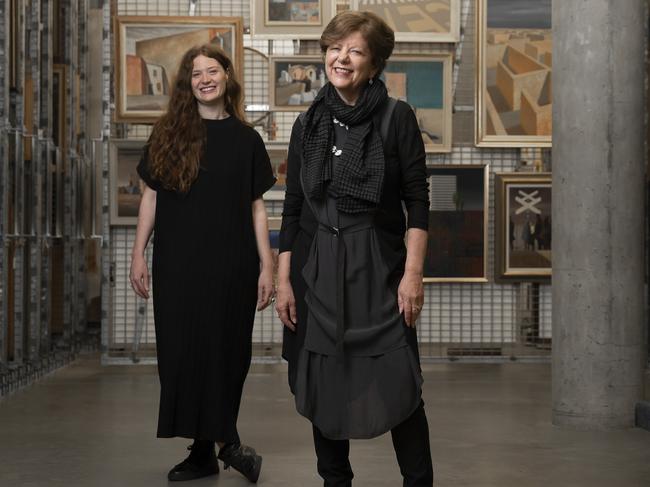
x=205, y=272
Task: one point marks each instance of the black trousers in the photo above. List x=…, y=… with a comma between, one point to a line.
x=411, y=443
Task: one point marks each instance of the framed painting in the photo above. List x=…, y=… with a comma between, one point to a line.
x=148, y=51
x=523, y=237
x=457, y=249
x=417, y=20
x=290, y=19
x=125, y=185
x=278, y=155
x=514, y=73
x=294, y=82
x=425, y=83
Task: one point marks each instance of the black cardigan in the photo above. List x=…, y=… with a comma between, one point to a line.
x=404, y=180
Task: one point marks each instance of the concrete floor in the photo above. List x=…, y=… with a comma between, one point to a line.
x=94, y=426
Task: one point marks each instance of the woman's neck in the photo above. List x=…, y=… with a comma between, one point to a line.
x=349, y=98
x=213, y=112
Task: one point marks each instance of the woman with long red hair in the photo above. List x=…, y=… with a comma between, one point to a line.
x=205, y=171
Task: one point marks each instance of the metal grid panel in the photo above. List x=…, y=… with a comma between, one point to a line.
x=455, y=314
x=125, y=304
x=545, y=312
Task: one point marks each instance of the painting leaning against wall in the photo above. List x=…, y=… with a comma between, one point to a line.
x=514, y=71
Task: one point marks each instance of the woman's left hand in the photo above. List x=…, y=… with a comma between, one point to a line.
x=264, y=288
x=410, y=297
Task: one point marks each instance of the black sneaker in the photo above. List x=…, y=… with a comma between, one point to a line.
x=242, y=458
x=193, y=468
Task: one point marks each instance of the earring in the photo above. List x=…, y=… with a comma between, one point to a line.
x=370, y=81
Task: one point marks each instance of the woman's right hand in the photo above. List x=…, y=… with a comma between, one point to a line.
x=285, y=305
x=139, y=276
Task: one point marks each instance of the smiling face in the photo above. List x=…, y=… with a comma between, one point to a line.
x=208, y=81
x=349, y=66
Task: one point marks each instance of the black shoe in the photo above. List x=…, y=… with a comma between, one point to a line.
x=194, y=468
x=242, y=458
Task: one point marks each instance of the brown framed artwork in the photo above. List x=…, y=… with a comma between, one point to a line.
x=457, y=249
x=290, y=19
x=513, y=73
x=294, y=82
x=278, y=154
x=425, y=83
x=523, y=238
x=147, y=54
x=125, y=185
x=417, y=20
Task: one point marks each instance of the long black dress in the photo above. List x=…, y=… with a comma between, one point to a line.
x=205, y=272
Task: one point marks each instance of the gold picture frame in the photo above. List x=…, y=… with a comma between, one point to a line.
x=290, y=19
x=148, y=50
x=513, y=75
x=523, y=238
x=417, y=20
x=457, y=248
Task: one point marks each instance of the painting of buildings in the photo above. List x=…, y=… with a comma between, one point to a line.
x=296, y=82
x=149, y=52
x=515, y=58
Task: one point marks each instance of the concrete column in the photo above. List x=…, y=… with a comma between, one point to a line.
x=598, y=211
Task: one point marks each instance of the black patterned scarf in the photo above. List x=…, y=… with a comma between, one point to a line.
x=359, y=175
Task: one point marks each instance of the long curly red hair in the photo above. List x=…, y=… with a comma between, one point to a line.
x=177, y=141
